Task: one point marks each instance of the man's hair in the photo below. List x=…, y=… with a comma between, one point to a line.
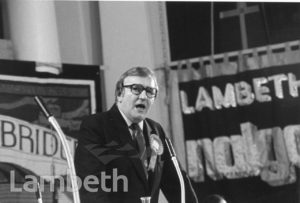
x=135, y=71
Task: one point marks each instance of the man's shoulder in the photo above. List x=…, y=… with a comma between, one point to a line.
x=102, y=117
x=97, y=115
x=95, y=118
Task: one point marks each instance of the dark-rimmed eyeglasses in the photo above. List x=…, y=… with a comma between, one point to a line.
x=137, y=89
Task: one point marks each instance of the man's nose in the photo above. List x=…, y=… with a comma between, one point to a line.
x=143, y=95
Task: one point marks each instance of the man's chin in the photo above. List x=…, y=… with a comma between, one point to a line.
x=139, y=118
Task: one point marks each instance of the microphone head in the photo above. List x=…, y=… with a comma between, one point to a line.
x=42, y=106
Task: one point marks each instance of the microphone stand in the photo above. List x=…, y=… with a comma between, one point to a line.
x=176, y=165
x=38, y=193
x=63, y=139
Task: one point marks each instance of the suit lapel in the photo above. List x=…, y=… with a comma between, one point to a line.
x=120, y=127
x=154, y=177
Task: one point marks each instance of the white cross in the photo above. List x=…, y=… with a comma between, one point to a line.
x=241, y=11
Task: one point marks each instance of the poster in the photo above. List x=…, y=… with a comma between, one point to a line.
x=242, y=134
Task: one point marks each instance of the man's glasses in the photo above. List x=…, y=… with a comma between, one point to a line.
x=137, y=89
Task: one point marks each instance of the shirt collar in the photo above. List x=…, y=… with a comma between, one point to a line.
x=129, y=122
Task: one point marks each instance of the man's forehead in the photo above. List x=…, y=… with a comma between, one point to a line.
x=139, y=80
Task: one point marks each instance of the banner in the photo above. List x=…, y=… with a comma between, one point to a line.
x=242, y=134
x=27, y=140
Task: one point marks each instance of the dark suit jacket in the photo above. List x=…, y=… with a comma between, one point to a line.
x=106, y=150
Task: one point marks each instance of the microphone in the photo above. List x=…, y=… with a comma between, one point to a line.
x=65, y=145
x=38, y=194
x=170, y=147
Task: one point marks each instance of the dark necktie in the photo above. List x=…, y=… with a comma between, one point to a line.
x=139, y=140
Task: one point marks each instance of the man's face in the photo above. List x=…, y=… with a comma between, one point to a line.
x=135, y=107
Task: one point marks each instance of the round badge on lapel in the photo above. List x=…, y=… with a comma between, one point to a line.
x=156, y=144
x=156, y=149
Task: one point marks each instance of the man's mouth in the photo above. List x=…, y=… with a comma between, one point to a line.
x=140, y=106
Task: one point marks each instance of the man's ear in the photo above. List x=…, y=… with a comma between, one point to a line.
x=120, y=96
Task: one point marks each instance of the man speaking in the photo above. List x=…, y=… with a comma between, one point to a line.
x=121, y=155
